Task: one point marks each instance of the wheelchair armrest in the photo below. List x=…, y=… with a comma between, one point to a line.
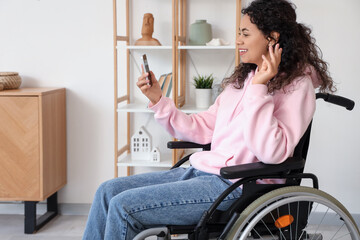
x=259, y=168
x=183, y=144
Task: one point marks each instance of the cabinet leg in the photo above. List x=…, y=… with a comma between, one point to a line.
x=52, y=203
x=30, y=217
x=32, y=224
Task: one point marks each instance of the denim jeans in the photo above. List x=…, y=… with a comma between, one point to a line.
x=125, y=206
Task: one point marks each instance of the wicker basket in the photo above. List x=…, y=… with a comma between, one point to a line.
x=9, y=80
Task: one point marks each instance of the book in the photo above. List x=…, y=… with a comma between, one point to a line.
x=162, y=80
x=167, y=87
x=165, y=82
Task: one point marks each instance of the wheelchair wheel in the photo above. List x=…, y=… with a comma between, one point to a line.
x=295, y=213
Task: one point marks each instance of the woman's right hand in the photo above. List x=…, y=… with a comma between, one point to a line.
x=153, y=93
x=269, y=66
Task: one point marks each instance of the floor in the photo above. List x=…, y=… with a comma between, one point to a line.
x=62, y=227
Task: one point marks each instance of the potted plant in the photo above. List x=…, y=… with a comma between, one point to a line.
x=203, y=85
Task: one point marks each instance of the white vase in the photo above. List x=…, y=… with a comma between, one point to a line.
x=203, y=97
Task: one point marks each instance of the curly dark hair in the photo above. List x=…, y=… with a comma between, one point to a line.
x=299, y=48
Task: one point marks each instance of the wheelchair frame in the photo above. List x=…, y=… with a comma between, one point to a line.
x=215, y=223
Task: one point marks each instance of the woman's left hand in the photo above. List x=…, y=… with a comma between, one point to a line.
x=269, y=67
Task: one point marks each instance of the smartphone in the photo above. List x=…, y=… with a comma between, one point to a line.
x=146, y=67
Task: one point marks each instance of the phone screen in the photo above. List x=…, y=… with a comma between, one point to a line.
x=146, y=66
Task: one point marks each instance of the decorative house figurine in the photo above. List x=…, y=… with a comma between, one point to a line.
x=141, y=145
x=155, y=155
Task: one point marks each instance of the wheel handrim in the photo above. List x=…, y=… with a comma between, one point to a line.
x=288, y=194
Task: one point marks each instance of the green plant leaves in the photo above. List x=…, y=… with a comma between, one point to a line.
x=203, y=81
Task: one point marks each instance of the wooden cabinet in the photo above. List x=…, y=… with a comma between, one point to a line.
x=32, y=143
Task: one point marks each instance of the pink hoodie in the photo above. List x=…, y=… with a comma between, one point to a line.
x=244, y=125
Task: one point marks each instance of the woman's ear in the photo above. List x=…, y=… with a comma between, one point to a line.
x=273, y=38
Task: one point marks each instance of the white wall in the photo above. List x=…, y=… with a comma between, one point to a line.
x=69, y=44
x=334, y=152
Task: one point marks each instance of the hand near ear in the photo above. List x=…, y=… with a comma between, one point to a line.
x=269, y=66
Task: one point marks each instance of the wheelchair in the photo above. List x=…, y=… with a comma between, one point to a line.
x=269, y=211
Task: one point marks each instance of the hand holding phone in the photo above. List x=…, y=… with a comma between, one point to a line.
x=149, y=85
x=147, y=69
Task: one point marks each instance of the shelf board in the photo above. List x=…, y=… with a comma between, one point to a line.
x=142, y=108
x=135, y=107
x=165, y=162
x=207, y=47
x=133, y=47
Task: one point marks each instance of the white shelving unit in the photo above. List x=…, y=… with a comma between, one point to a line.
x=149, y=47
x=134, y=108
x=207, y=47
x=179, y=49
x=166, y=162
x=132, y=47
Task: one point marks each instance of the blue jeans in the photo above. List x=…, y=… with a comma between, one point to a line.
x=125, y=206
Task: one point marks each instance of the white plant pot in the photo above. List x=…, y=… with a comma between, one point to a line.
x=203, y=97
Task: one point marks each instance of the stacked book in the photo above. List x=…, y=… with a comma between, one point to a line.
x=165, y=82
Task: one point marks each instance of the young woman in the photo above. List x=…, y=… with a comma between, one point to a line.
x=261, y=115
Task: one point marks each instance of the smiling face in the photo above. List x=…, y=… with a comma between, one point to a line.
x=252, y=42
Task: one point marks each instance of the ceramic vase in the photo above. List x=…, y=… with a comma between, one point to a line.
x=203, y=97
x=200, y=33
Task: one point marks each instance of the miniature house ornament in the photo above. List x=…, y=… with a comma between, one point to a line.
x=155, y=155
x=147, y=31
x=141, y=145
